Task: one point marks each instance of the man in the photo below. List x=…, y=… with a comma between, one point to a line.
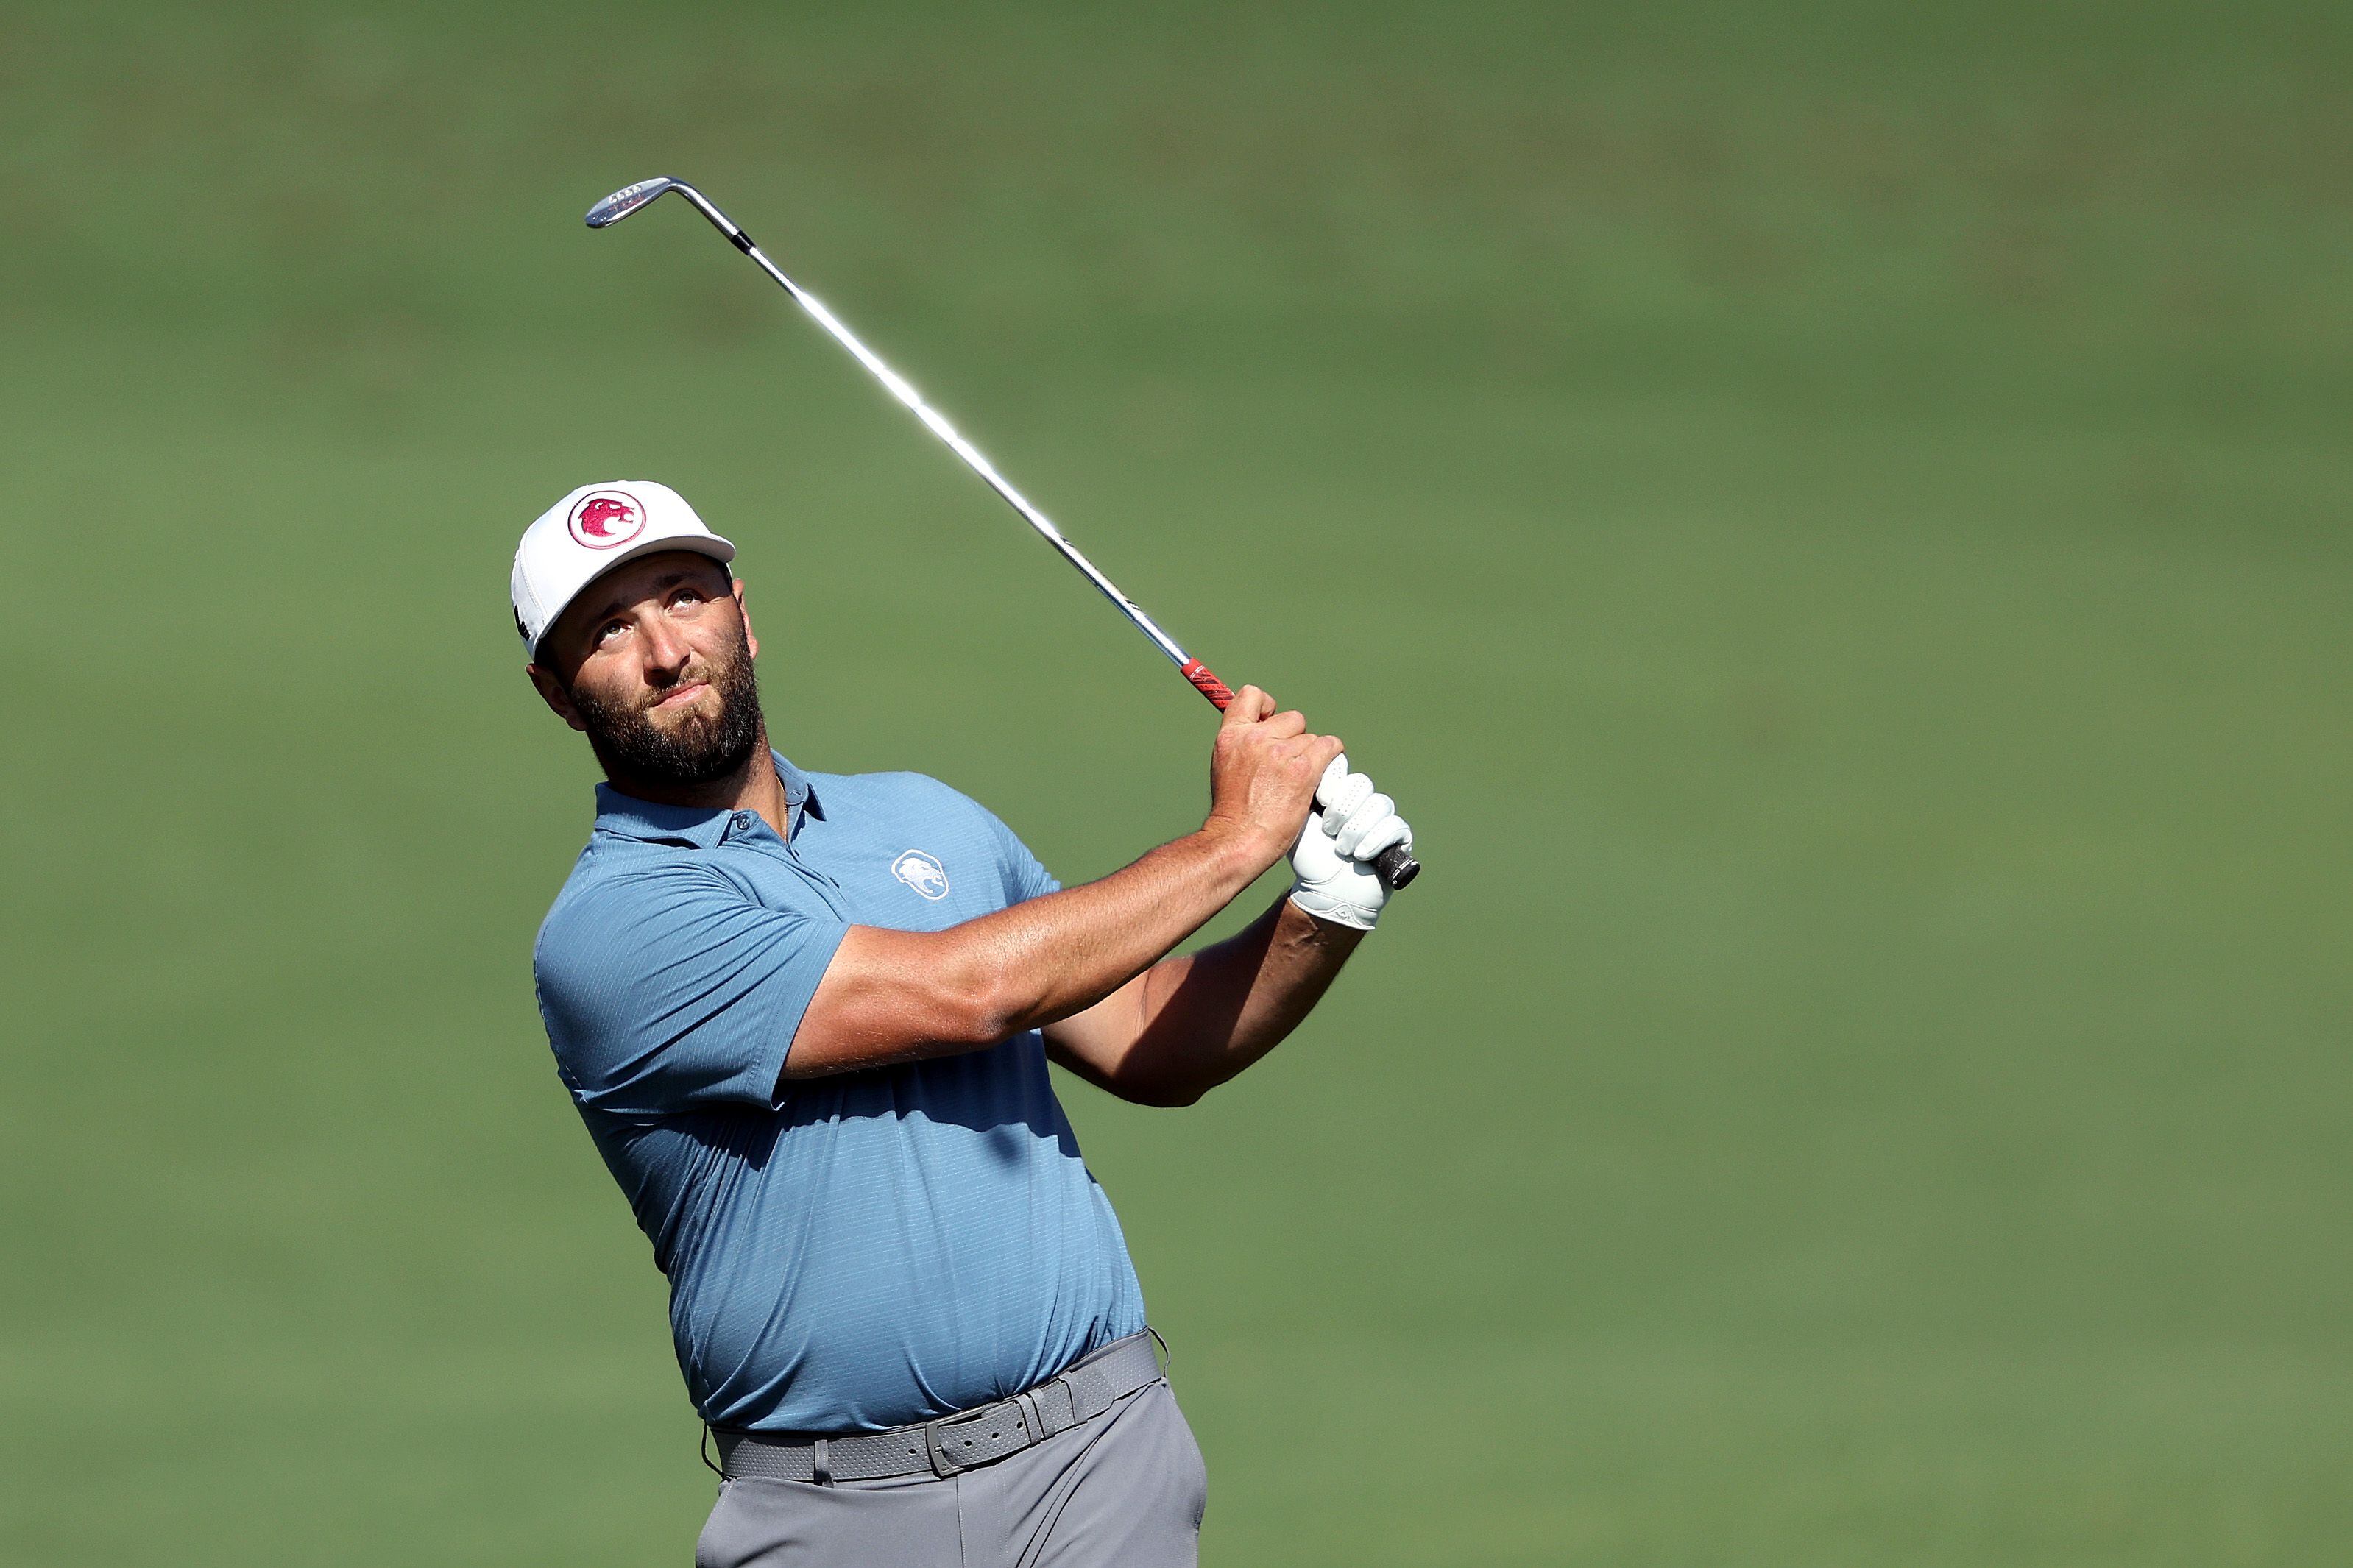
x=806, y=1019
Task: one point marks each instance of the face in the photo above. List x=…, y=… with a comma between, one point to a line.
x=653, y=663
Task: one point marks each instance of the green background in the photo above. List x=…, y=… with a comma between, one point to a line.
x=1830, y=519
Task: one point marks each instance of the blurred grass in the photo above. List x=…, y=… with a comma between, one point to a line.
x=1839, y=513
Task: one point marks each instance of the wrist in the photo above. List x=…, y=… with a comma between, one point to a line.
x=1330, y=913
x=1241, y=847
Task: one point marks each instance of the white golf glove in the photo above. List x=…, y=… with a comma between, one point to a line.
x=1333, y=860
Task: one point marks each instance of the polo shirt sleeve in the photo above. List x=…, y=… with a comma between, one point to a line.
x=1026, y=876
x=671, y=990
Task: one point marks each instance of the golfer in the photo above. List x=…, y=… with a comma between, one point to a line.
x=806, y=1018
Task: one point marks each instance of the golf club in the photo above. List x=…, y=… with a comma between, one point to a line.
x=1396, y=866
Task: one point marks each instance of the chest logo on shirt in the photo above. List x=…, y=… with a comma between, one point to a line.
x=922, y=872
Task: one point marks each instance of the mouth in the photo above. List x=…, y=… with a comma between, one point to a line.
x=681, y=695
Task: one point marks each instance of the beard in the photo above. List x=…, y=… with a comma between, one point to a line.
x=695, y=749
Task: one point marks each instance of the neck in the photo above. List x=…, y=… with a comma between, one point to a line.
x=755, y=787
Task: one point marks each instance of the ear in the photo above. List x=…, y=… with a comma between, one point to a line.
x=552, y=692
x=751, y=642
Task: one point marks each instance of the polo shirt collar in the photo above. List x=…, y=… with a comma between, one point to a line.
x=628, y=817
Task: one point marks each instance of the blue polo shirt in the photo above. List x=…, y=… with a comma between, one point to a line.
x=844, y=1253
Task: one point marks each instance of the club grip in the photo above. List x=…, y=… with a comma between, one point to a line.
x=1204, y=681
x=1395, y=865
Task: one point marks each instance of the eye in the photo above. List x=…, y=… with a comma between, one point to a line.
x=610, y=630
x=687, y=597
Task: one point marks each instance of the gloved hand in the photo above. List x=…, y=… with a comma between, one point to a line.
x=1333, y=860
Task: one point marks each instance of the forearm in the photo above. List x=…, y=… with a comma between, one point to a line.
x=1060, y=954
x=893, y=995
x=1190, y=1023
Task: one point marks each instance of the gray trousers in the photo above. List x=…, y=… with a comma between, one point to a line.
x=1125, y=1489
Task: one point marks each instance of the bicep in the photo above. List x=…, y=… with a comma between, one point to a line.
x=1094, y=1042
x=892, y=996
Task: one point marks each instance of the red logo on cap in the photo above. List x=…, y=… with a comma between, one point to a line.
x=606, y=519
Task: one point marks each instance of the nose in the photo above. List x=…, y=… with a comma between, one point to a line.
x=666, y=650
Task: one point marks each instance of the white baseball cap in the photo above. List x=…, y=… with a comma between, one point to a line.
x=589, y=532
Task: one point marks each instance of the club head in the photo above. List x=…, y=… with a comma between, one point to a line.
x=628, y=199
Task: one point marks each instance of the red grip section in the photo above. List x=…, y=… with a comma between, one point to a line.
x=1207, y=683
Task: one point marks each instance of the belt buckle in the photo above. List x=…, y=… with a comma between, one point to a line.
x=944, y=1463
x=941, y=1465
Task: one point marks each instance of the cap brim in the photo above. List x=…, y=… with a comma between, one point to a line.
x=720, y=550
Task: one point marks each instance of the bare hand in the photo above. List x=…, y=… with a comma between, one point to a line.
x=1262, y=774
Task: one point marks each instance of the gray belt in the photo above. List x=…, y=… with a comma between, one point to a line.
x=1083, y=1391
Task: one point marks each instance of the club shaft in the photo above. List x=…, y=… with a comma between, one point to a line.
x=937, y=423
x=1395, y=865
